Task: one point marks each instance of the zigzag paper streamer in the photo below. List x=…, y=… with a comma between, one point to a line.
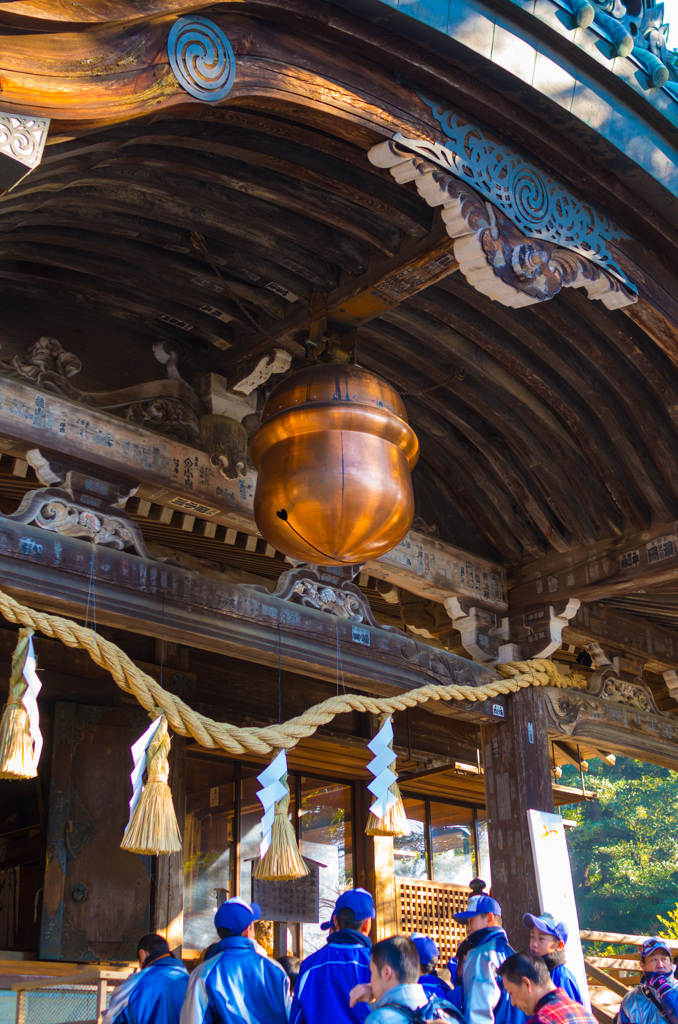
x=273, y=789
x=29, y=700
x=139, y=749
x=384, y=756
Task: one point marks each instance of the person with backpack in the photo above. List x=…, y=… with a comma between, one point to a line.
x=547, y=940
x=484, y=999
x=655, y=1000
x=394, y=990
x=528, y=982
x=428, y=963
x=327, y=976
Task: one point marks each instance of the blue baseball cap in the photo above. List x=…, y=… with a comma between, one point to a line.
x=426, y=948
x=547, y=923
x=478, y=905
x=236, y=915
x=359, y=901
x=651, y=945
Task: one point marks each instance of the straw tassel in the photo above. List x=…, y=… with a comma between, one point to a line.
x=393, y=822
x=282, y=860
x=153, y=825
x=17, y=751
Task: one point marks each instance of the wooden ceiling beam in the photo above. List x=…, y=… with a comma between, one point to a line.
x=638, y=559
x=386, y=284
x=617, y=632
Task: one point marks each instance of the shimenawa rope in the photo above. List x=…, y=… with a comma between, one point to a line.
x=234, y=739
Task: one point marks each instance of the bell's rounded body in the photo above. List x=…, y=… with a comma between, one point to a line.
x=334, y=454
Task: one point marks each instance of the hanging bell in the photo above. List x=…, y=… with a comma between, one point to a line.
x=334, y=455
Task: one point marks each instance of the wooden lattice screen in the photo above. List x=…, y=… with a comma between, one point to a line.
x=428, y=907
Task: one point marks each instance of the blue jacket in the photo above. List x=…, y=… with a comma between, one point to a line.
x=435, y=986
x=562, y=977
x=152, y=996
x=639, y=1008
x=237, y=986
x=484, y=998
x=326, y=978
x=385, y=1011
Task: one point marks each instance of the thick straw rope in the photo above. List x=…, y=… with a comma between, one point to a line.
x=264, y=739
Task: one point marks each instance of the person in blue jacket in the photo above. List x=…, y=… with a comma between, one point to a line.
x=547, y=940
x=483, y=996
x=155, y=994
x=327, y=976
x=428, y=962
x=237, y=985
x=655, y=1000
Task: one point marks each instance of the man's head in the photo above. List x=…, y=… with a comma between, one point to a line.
x=428, y=953
x=526, y=978
x=655, y=956
x=236, y=917
x=354, y=910
x=546, y=934
x=394, y=961
x=481, y=912
x=151, y=947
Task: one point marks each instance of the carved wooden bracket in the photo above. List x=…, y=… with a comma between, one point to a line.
x=636, y=730
x=671, y=680
x=495, y=256
x=82, y=505
x=487, y=636
x=22, y=141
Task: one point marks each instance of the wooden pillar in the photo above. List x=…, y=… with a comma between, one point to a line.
x=375, y=868
x=167, y=903
x=517, y=778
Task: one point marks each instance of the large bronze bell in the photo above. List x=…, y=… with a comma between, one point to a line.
x=334, y=453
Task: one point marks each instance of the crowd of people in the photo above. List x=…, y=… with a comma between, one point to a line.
x=394, y=981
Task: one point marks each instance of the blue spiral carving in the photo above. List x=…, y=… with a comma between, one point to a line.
x=201, y=57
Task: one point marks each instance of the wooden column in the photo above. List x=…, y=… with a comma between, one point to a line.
x=375, y=868
x=517, y=778
x=167, y=903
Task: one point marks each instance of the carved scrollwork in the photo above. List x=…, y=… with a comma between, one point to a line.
x=168, y=406
x=326, y=599
x=56, y=510
x=494, y=254
x=327, y=591
x=631, y=694
x=201, y=58
x=23, y=138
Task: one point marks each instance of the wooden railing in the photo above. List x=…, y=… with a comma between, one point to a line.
x=621, y=968
x=428, y=907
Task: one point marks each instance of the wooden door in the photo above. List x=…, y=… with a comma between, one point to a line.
x=96, y=903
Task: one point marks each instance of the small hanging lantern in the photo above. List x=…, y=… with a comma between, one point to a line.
x=334, y=454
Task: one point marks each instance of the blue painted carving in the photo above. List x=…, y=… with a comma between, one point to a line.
x=530, y=197
x=201, y=57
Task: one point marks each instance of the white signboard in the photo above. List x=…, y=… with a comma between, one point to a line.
x=554, y=880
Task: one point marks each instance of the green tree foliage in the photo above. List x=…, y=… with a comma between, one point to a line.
x=624, y=850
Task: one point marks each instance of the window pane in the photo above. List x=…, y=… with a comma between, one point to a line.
x=484, y=870
x=410, y=851
x=327, y=837
x=452, y=843
x=208, y=847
